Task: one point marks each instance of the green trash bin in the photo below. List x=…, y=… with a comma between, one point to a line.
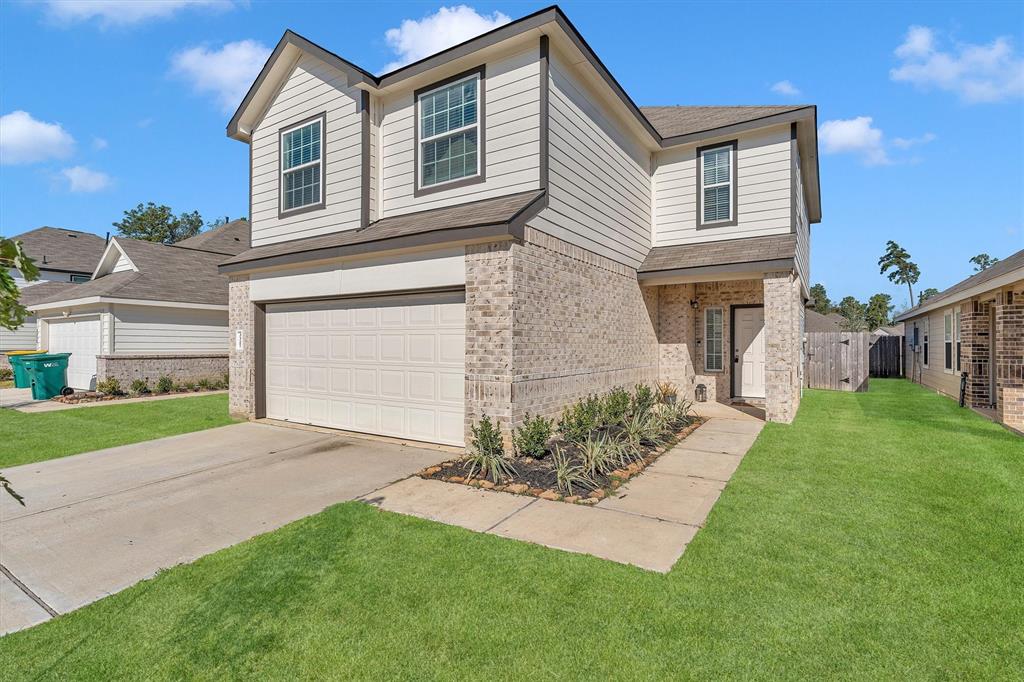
x=21, y=379
x=48, y=373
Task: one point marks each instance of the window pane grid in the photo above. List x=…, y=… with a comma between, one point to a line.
x=449, y=133
x=302, y=187
x=716, y=183
x=301, y=166
x=713, y=339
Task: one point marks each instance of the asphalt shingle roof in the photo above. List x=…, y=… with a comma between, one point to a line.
x=230, y=238
x=54, y=248
x=727, y=252
x=1007, y=265
x=816, y=322
x=683, y=120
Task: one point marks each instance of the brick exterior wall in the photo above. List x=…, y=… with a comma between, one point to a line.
x=241, y=364
x=151, y=366
x=975, y=337
x=1010, y=357
x=678, y=356
x=783, y=317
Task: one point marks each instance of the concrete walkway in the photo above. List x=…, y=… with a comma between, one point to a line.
x=20, y=399
x=99, y=522
x=648, y=523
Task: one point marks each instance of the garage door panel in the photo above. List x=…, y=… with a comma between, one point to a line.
x=392, y=368
x=81, y=338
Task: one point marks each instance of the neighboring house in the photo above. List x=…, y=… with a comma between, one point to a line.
x=891, y=330
x=975, y=326
x=150, y=310
x=61, y=256
x=816, y=322
x=498, y=229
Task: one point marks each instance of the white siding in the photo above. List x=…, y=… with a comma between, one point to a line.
x=374, y=157
x=763, y=190
x=141, y=329
x=312, y=88
x=511, y=140
x=803, y=225
x=599, y=175
x=22, y=338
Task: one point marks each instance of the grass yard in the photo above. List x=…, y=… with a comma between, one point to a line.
x=26, y=438
x=879, y=536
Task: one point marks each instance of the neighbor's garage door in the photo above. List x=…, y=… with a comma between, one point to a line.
x=394, y=367
x=81, y=338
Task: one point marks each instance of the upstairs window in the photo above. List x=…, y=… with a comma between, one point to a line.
x=302, y=166
x=713, y=339
x=449, y=147
x=716, y=178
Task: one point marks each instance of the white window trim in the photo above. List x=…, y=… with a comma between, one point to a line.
x=418, y=122
x=721, y=317
x=956, y=341
x=729, y=183
x=948, y=340
x=319, y=162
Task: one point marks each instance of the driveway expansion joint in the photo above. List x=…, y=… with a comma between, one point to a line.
x=28, y=592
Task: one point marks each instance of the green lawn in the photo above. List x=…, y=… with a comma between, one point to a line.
x=26, y=438
x=878, y=537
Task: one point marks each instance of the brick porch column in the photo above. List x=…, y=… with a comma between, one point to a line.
x=241, y=363
x=1010, y=362
x=974, y=349
x=782, y=346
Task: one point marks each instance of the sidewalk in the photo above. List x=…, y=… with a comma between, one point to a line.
x=648, y=523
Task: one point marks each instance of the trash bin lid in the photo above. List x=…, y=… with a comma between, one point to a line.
x=43, y=357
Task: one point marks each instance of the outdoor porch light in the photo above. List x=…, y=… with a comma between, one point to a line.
x=694, y=303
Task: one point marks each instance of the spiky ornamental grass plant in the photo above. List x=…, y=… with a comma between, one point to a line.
x=569, y=474
x=487, y=453
x=597, y=456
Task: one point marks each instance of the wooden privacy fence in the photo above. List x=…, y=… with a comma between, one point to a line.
x=886, y=357
x=837, y=360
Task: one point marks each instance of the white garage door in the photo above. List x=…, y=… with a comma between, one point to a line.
x=394, y=367
x=81, y=338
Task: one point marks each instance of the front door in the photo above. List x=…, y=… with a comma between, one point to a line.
x=748, y=352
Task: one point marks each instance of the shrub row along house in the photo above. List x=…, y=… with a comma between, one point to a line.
x=499, y=230
x=975, y=327
x=145, y=310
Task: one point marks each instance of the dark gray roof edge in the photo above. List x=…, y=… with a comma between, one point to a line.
x=513, y=227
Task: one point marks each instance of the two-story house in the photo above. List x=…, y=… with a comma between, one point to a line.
x=498, y=229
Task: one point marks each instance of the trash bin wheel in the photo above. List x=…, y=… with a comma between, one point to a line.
x=67, y=390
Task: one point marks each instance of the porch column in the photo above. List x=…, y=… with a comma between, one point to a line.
x=241, y=362
x=1010, y=359
x=974, y=351
x=782, y=345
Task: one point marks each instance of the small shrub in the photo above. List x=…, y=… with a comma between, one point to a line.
x=109, y=386
x=6, y=373
x=531, y=439
x=579, y=419
x=164, y=384
x=138, y=387
x=643, y=400
x=487, y=453
x=186, y=386
x=569, y=475
x=226, y=380
x=204, y=384
x=614, y=407
x=597, y=455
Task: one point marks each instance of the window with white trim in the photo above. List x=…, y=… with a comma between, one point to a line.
x=716, y=185
x=713, y=339
x=925, y=327
x=449, y=132
x=956, y=336
x=947, y=341
x=302, y=172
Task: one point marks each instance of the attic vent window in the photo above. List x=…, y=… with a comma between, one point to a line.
x=302, y=172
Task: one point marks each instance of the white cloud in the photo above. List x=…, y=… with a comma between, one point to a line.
x=976, y=73
x=226, y=73
x=123, y=12
x=786, y=88
x=908, y=142
x=414, y=40
x=82, y=179
x=23, y=139
x=99, y=143
x=854, y=136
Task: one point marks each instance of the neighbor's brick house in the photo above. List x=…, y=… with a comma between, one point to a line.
x=498, y=229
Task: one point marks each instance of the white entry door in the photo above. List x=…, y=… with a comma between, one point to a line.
x=748, y=353
x=394, y=367
x=81, y=338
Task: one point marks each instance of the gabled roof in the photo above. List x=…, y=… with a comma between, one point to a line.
x=816, y=322
x=41, y=291
x=1006, y=271
x=230, y=238
x=675, y=121
x=54, y=248
x=496, y=218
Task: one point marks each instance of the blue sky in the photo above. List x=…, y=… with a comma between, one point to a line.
x=107, y=105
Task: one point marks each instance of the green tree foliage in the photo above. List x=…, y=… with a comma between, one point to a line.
x=926, y=294
x=822, y=304
x=878, y=311
x=854, y=314
x=983, y=261
x=13, y=257
x=154, y=223
x=896, y=264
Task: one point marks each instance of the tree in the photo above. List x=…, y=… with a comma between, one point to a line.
x=154, y=223
x=878, y=310
x=926, y=294
x=820, y=297
x=853, y=312
x=983, y=261
x=903, y=270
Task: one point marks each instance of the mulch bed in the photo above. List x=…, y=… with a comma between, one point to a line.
x=97, y=397
x=536, y=477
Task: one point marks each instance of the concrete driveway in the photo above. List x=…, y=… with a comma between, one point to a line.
x=99, y=522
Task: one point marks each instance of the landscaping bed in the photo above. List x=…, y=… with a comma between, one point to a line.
x=600, y=443
x=111, y=389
